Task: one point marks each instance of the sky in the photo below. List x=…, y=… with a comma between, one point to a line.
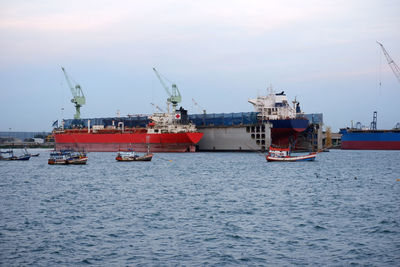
x=219, y=53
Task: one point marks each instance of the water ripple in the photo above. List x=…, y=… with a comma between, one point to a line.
x=202, y=209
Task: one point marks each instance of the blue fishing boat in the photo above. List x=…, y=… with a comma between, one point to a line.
x=14, y=157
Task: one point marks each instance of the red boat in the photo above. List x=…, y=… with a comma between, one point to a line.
x=284, y=155
x=163, y=134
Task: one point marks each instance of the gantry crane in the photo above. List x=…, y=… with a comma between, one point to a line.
x=392, y=64
x=374, y=121
x=174, y=95
x=77, y=93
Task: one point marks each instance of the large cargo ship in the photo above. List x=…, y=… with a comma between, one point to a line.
x=165, y=132
x=274, y=121
x=362, y=138
x=370, y=139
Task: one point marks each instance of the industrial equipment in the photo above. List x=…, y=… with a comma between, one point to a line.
x=374, y=121
x=174, y=94
x=392, y=64
x=77, y=93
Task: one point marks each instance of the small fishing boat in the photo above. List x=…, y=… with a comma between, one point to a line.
x=132, y=156
x=14, y=157
x=77, y=158
x=67, y=157
x=6, y=157
x=58, y=158
x=283, y=154
x=22, y=157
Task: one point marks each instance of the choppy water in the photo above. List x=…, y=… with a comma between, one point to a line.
x=202, y=209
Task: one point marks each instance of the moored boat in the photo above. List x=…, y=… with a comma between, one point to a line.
x=77, y=158
x=357, y=139
x=132, y=156
x=284, y=155
x=285, y=121
x=67, y=157
x=11, y=156
x=58, y=158
x=363, y=138
x=166, y=132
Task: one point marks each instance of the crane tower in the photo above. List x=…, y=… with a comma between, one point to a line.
x=174, y=94
x=77, y=93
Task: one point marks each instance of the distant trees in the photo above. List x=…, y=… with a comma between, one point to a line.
x=328, y=138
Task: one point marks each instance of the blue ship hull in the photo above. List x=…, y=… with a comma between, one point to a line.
x=370, y=139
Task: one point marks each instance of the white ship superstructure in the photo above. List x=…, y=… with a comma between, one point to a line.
x=274, y=106
x=169, y=123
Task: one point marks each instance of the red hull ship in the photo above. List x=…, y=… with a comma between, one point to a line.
x=164, y=134
x=112, y=142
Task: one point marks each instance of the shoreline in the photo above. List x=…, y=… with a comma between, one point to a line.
x=27, y=145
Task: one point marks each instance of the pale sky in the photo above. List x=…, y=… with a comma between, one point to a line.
x=220, y=53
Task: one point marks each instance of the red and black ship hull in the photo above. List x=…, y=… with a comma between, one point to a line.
x=284, y=132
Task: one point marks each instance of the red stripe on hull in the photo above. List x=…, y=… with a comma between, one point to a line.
x=371, y=145
x=92, y=142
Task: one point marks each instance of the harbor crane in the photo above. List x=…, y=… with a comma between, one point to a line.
x=392, y=64
x=174, y=94
x=77, y=93
x=374, y=121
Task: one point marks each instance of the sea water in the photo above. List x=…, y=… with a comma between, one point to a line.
x=202, y=209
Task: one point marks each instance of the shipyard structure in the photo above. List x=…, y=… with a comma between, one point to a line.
x=274, y=121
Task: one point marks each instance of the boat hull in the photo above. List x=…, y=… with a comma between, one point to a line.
x=139, y=158
x=57, y=162
x=370, y=140
x=140, y=142
x=310, y=157
x=77, y=161
x=16, y=158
